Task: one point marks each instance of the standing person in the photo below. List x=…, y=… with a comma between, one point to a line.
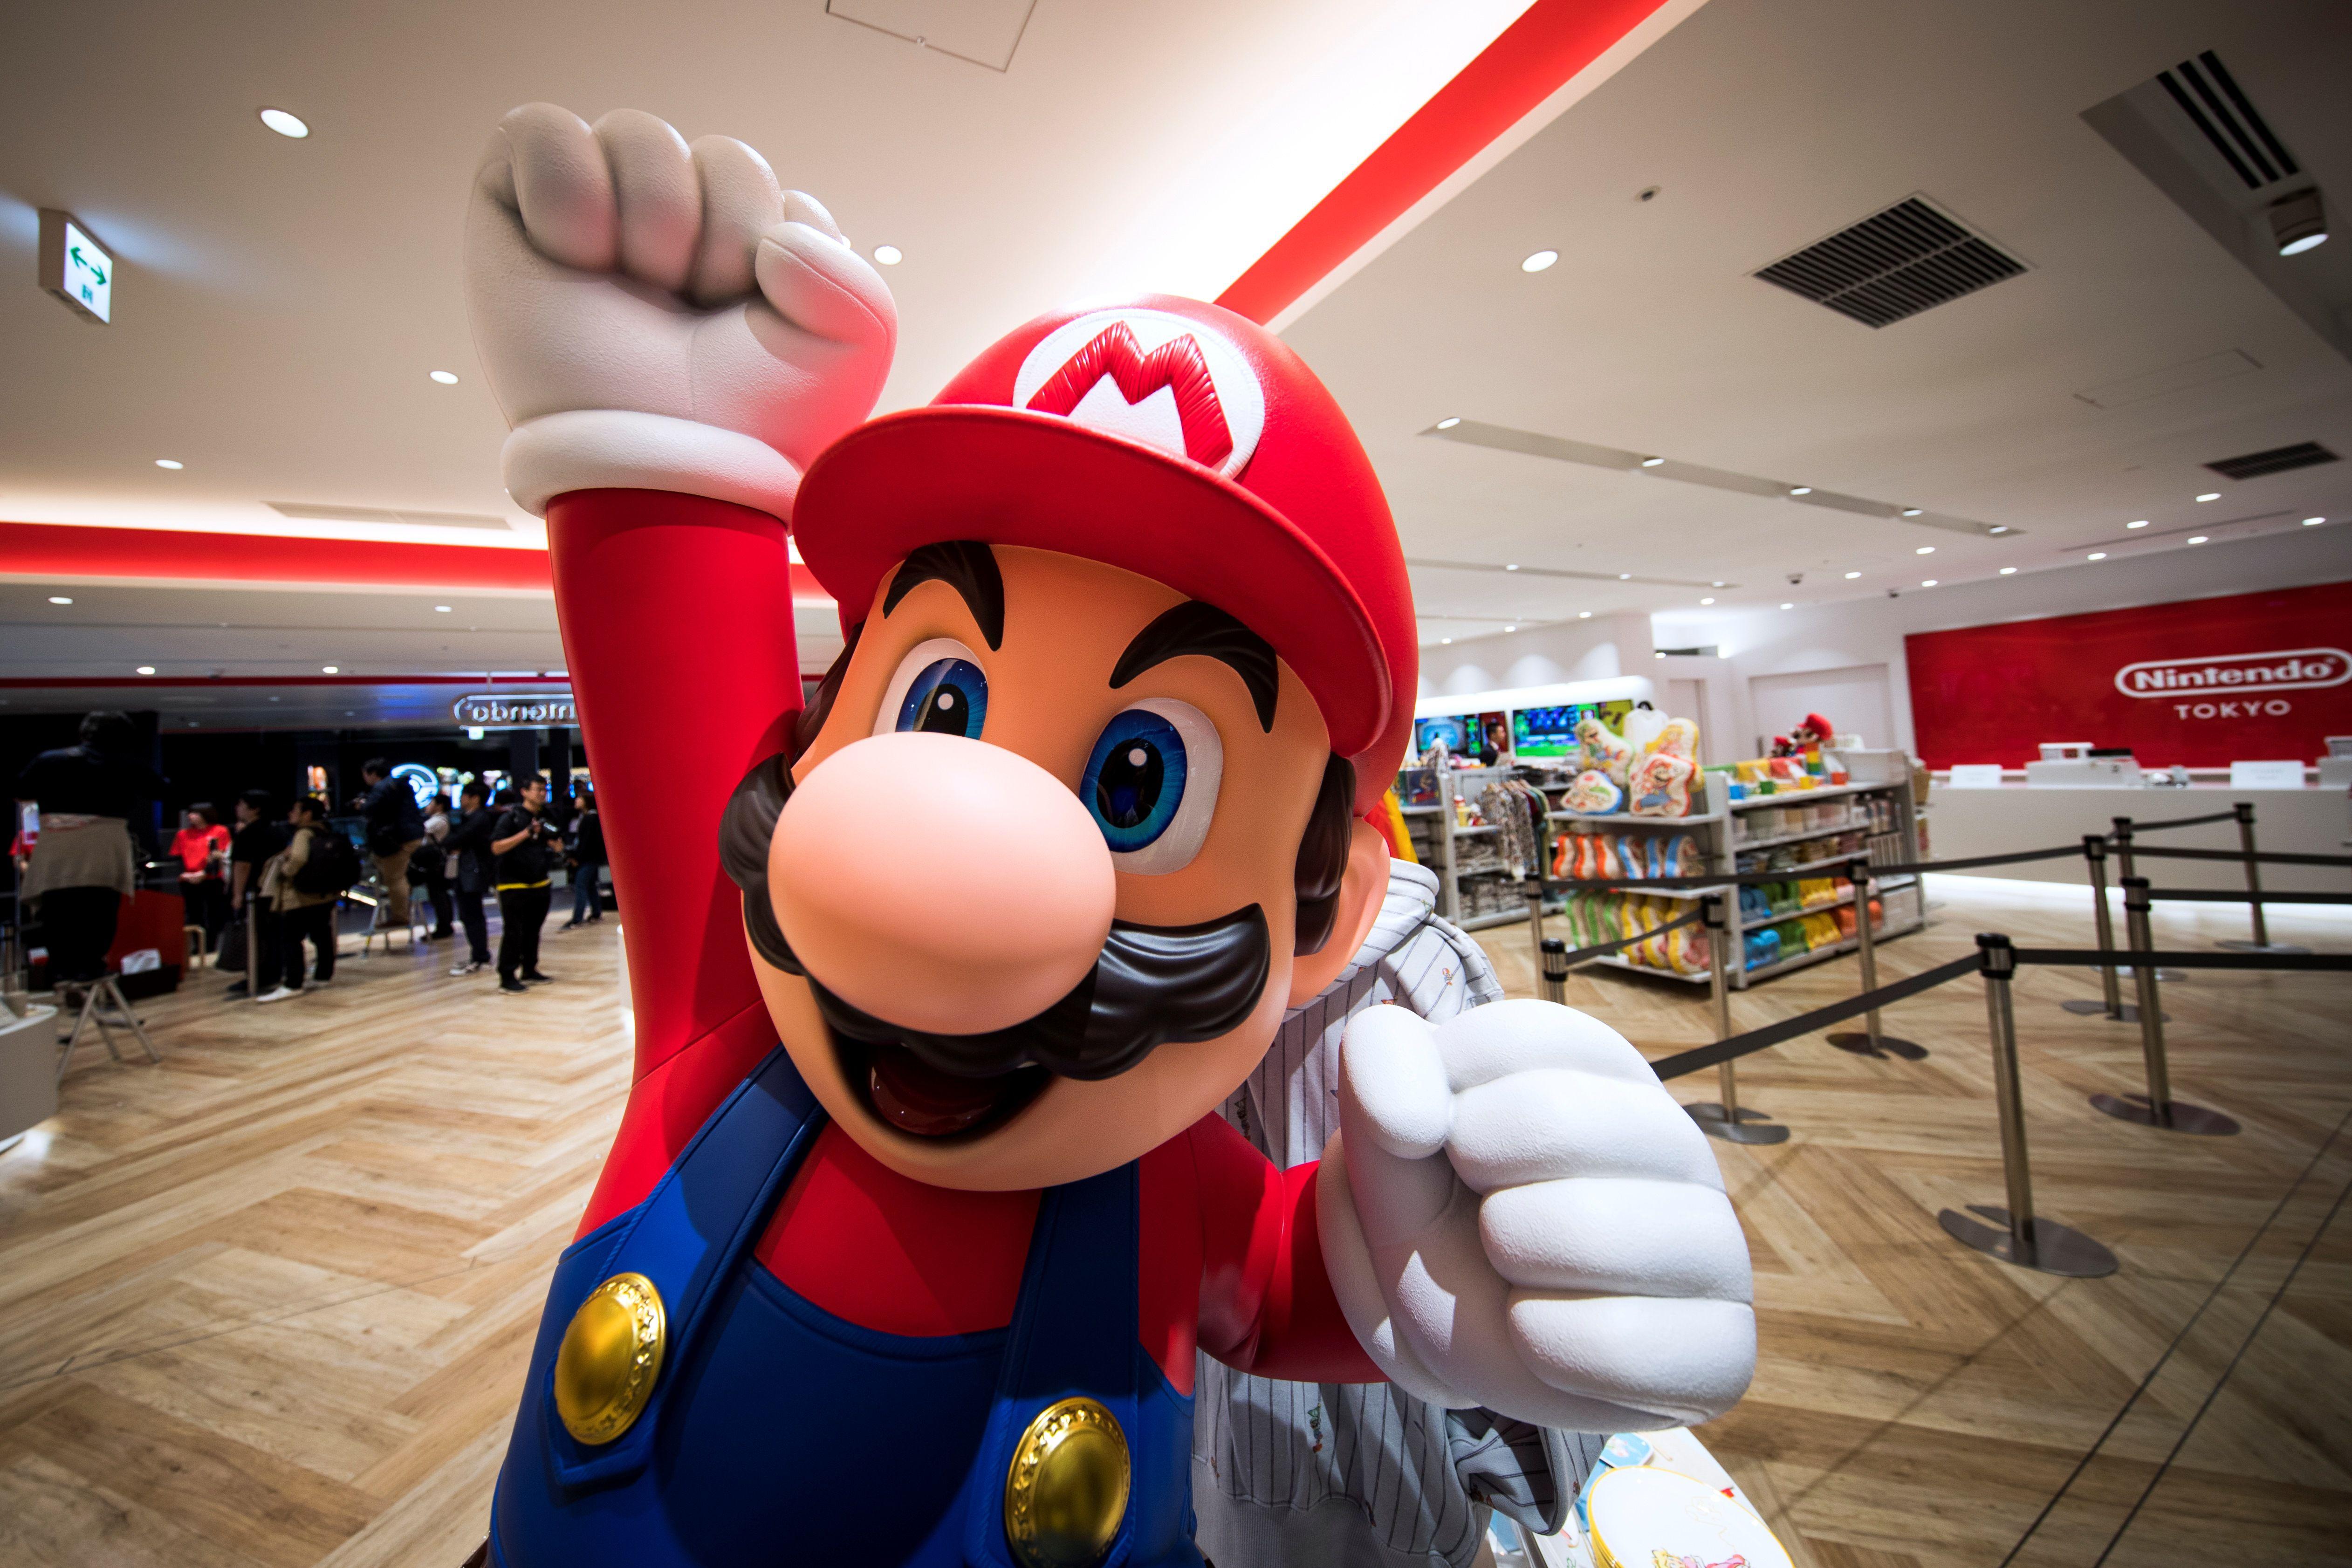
x=80, y=870
x=429, y=868
x=586, y=857
x=522, y=842
x=306, y=910
x=395, y=830
x=468, y=846
x=201, y=846
x=255, y=843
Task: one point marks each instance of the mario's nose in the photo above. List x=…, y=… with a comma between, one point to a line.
x=941, y=884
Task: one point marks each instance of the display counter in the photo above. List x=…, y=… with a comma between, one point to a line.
x=1962, y=823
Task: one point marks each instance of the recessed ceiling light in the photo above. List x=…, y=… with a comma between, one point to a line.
x=1998, y=528
x=1788, y=607
x=1652, y=462
x=446, y=378
x=331, y=669
x=1510, y=628
x=1584, y=615
x=60, y=599
x=1449, y=424
x=2139, y=524
x=146, y=669
x=1718, y=585
x=1625, y=577
x=2312, y=522
x=1852, y=575
x=888, y=255
x=441, y=609
x=2210, y=495
x=285, y=124
x=1911, y=511
x=1925, y=550
x=1802, y=490
x=1928, y=582
x=1511, y=566
x=172, y=463
x=2009, y=571
x=2096, y=555
x=1447, y=640
x=2198, y=539
x=1539, y=261
x=2298, y=223
x=1706, y=601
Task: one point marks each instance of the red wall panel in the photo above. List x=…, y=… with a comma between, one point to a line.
x=2203, y=683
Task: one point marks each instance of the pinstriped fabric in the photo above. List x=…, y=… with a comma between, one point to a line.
x=1314, y=1474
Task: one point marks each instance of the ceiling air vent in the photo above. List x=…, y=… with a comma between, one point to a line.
x=1893, y=265
x=2208, y=96
x=2278, y=460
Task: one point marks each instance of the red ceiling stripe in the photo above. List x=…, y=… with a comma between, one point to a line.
x=1549, y=42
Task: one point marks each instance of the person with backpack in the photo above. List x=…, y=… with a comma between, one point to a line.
x=395, y=830
x=313, y=872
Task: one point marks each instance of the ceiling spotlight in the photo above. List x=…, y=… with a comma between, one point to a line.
x=1911, y=511
x=1445, y=640
x=1852, y=575
x=1707, y=600
x=2009, y=571
x=172, y=463
x=446, y=378
x=888, y=255
x=2299, y=223
x=1510, y=628
x=2140, y=524
x=1928, y=582
x=331, y=669
x=1788, y=607
x=1625, y=577
x=2096, y=555
x=2210, y=495
x=1449, y=424
x=1718, y=585
x=146, y=669
x=1584, y=615
x=1998, y=528
x=1652, y=462
x=1802, y=490
x=2312, y=522
x=285, y=124
x=1512, y=566
x=441, y=609
x=1544, y=258
x=1925, y=550
x=60, y=599
x=2198, y=539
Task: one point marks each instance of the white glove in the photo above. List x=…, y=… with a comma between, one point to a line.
x=1522, y=1218
x=658, y=315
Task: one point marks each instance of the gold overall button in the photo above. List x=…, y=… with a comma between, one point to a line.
x=611, y=1354
x=1066, y=1491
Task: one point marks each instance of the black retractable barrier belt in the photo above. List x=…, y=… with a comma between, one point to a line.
x=2182, y=823
x=1773, y=1034
x=2267, y=857
x=2209, y=895
x=2125, y=958
x=1604, y=948
x=1832, y=867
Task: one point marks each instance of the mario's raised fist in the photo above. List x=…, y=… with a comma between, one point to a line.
x=659, y=316
x=1516, y=1214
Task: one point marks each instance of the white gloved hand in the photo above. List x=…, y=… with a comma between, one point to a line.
x=663, y=317
x=1516, y=1214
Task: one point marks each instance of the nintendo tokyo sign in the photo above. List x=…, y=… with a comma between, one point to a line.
x=2294, y=669
x=531, y=710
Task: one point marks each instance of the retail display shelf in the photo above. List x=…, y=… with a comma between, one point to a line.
x=1421, y=811
x=1807, y=868
x=1626, y=819
x=1480, y=828
x=1820, y=792
x=1864, y=826
x=1615, y=961
x=1843, y=944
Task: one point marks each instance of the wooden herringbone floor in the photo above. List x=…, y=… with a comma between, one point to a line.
x=269, y=1302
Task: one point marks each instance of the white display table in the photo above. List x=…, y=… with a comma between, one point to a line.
x=1962, y=823
x=28, y=1072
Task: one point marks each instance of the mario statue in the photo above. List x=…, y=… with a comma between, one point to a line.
x=920, y=1205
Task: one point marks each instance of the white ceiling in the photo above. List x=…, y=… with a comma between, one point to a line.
x=1766, y=125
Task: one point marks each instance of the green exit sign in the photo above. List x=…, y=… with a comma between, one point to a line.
x=76, y=267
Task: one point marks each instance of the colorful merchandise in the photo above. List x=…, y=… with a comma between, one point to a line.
x=1644, y=1515
x=1641, y=728
x=941, y=1017
x=1594, y=793
x=1605, y=751
x=1659, y=785
x=1763, y=947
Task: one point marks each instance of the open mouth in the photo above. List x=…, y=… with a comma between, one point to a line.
x=908, y=1094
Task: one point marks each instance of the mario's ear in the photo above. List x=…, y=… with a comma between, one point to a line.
x=1362, y=887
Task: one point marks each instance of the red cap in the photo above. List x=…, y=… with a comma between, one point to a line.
x=1165, y=437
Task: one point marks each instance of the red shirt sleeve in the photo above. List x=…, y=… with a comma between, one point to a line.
x=677, y=614
x=1265, y=1302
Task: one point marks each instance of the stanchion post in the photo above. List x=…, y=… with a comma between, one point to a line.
x=1874, y=1041
x=1551, y=960
x=2022, y=1238
x=2157, y=1108
x=1728, y=1119
x=2095, y=871
x=2262, y=942
x=1534, y=889
x=252, y=950
x=2124, y=847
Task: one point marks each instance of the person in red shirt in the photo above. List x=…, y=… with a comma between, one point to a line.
x=920, y=1204
x=201, y=846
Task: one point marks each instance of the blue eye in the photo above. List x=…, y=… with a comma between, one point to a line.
x=1135, y=780
x=949, y=697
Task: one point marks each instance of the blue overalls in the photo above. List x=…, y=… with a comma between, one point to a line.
x=780, y=1434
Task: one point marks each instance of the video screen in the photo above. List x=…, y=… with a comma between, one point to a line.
x=1453, y=728
x=1546, y=731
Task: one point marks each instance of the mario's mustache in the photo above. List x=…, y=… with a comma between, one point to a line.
x=1152, y=984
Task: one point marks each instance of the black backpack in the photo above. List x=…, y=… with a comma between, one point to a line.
x=333, y=865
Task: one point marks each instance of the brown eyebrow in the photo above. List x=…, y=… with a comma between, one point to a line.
x=965, y=565
x=1193, y=627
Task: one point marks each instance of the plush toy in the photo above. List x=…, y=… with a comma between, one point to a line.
x=1660, y=786
x=1811, y=735
x=1594, y=793
x=1676, y=737
x=1604, y=750
x=921, y=1203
